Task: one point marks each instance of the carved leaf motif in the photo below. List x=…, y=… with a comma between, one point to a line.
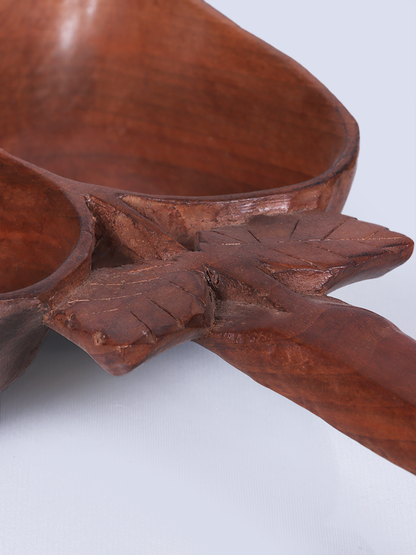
x=124, y=315
x=255, y=295
x=349, y=366
x=309, y=253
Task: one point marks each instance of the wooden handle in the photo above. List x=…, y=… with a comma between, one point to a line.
x=352, y=368
x=255, y=295
x=349, y=366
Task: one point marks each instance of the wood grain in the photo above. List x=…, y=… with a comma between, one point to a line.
x=198, y=176
x=256, y=295
x=170, y=98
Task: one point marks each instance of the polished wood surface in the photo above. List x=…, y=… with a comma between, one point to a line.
x=165, y=98
x=198, y=176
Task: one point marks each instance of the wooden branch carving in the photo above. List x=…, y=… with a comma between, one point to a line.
x=222, y=164
x=255, y=294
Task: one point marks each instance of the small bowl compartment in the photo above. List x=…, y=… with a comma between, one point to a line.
x=39, y=228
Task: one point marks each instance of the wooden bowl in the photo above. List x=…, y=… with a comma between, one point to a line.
x=135, y=136
x=202, y=123
x=170, y=100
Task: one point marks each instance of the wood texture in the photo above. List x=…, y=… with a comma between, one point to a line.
x=255, y=295
x=126, y=314
x=170, y=98
x=225, y=165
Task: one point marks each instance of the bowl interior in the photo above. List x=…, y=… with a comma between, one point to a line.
x=160, y=98
x=39, y=229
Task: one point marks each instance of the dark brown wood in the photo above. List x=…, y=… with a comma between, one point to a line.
x=170, y=98
x=225, y=165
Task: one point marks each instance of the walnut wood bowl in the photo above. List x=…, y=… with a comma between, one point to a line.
x=163, y=178
x=170, y=99
x=206, y=124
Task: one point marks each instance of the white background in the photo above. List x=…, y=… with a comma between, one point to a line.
x=188, y=456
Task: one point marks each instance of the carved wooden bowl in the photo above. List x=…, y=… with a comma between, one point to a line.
x=191, y=166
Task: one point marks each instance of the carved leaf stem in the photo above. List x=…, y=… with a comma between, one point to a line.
x=255, y=294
